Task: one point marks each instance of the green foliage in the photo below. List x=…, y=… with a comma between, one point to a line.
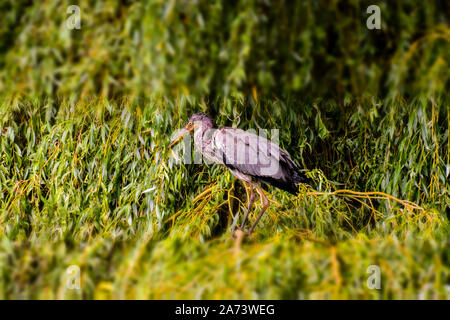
x=224, y=47
x=94, y=184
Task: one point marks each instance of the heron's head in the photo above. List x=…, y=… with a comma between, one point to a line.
x=196, y=121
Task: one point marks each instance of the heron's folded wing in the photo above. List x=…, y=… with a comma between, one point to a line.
x=249, y=153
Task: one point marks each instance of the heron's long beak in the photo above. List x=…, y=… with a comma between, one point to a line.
x=183, y=132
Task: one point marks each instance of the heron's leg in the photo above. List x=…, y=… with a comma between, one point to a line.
x=236, y=216
x=251, y=199
x=266, y=204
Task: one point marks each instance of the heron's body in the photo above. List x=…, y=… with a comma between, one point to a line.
x=249, y=157
x=237, y=157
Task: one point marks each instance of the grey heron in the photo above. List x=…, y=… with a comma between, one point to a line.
x=250, y=158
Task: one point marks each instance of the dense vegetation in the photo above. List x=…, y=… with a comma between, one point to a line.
x=86, y=178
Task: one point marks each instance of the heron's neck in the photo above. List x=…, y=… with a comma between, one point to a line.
x=202, y=137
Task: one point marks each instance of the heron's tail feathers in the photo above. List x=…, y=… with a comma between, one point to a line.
x=289, y=182
x=297, y=178
x=300, y=177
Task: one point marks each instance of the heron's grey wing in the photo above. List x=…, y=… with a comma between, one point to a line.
x=251, y=154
